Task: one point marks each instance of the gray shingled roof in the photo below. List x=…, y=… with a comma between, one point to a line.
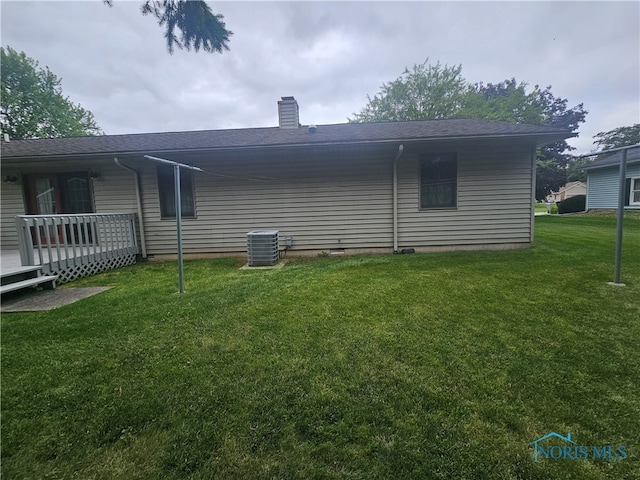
x=274, y=136
x=633, y=156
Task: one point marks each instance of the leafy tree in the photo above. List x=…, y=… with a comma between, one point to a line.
x=32, y=104
x=509, y=101
x=425, y=93
x=618, y=137
x=199, y=27
x=553, y=160
x=436, y=92
x=506, y=101
x=549, y=177
x=575, y=169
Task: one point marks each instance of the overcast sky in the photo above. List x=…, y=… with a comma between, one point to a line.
x=329, y=55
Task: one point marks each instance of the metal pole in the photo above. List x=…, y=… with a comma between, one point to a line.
x=176, y=179
x=620, y=213
x=176, y=176
x=620, y=217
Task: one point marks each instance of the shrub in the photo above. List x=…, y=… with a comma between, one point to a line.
x=573, y=204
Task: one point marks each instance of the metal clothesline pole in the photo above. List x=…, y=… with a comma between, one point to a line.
x=178, y=197
x=622, y=174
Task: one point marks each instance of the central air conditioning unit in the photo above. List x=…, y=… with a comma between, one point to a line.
x=262, y=248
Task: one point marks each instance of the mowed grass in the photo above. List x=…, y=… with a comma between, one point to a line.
x=421, y=366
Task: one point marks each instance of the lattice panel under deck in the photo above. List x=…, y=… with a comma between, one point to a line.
x=72, y=273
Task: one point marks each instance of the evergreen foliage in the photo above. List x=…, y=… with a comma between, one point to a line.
x=199, y=27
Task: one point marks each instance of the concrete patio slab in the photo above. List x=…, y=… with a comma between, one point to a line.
x=47, y=299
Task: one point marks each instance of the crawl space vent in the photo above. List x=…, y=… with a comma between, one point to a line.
x=262, y=248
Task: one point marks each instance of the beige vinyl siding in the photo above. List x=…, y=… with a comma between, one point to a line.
x=324, y=201
x=494, y=201
x=114, y=191
x=324, y=197
x=12, y=205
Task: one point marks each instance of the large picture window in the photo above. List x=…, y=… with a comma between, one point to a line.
x=166, y=189
x=438, y=181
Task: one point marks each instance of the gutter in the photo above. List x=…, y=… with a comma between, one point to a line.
x=395, y=198
x=136, y=177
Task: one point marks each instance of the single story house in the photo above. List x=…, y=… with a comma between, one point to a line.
x=340, y=188
x=568, y=190
x=603, y=178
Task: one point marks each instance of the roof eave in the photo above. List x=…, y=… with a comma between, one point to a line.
x=540, y=139
x=616, y=164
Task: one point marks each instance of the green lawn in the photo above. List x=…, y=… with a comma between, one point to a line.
x=401, y=366
x=540, y=207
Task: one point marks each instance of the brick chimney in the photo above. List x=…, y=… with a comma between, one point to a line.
x=288, y=116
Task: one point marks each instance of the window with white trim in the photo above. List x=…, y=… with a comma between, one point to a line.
x=634, y=191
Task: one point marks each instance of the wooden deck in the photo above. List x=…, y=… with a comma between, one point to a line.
x=73, y=246
x=10, y=261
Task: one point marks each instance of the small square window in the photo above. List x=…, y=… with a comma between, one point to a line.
x=166, y=190
x=439, y=181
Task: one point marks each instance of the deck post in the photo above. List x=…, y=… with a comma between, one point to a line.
x=25, y=242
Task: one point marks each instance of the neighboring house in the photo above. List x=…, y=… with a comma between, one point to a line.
x=352, y=188
x=569, y=190
x=603, y=180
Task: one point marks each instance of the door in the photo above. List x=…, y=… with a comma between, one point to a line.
x=43, y=198
x=59, y=193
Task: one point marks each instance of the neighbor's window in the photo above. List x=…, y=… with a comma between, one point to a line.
x=634, y=192
x=438, y=181
x=166, y=188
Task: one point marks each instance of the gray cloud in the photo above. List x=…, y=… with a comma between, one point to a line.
x=330, y=55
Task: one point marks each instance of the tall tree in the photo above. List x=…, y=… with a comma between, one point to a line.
x=426, y=92
x=618, y=137
x=435, y=92
x=199, y=27
x=32, y=104
x=538, y=107
x=506, y=101
x=575, y=169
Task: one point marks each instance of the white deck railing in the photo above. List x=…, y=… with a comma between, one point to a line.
x=73, y=246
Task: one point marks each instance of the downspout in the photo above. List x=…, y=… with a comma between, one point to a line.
x=136, y=177
x=395, y=198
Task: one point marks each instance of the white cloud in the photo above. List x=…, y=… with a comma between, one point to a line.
x=329, y=55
